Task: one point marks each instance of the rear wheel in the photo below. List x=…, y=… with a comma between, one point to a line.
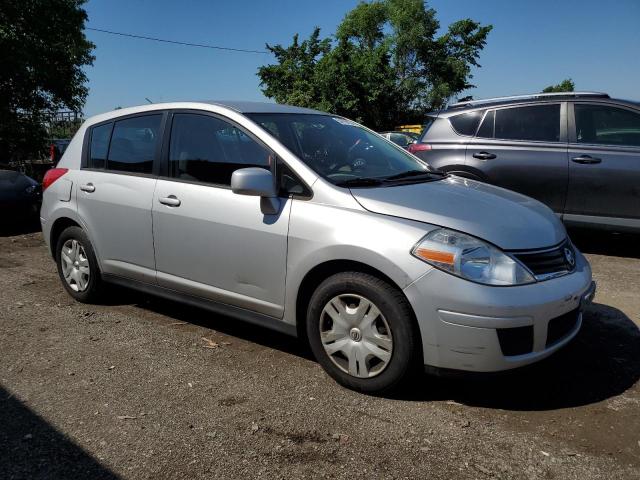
x=361, y=330
x=77, y=265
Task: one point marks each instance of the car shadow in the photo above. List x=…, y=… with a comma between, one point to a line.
x=603, y=361
x=602, y=242
x=30, y=447
x=10, y=227
x=229, y=326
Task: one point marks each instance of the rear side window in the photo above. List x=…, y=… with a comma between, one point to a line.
x=133, y=144
x=537, y=123
x=467, y=123
x=99, y=145
x=207, y=149
x=602, y=124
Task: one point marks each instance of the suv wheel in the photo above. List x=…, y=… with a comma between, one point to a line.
x=77, y=265
x=361, y=331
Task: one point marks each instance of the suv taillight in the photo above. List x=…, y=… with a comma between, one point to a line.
x=419, y=147
x=52, y=153
x=51, y=176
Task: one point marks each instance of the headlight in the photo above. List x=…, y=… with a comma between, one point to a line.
x=470, y=258
x=31, y=189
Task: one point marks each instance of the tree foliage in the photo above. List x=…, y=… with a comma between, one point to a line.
x=44, y=50
x=386, y=64
x=566, y=85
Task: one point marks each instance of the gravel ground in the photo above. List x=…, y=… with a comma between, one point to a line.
x=144, y=388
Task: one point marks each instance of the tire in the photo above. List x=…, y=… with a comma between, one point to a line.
x=380, y=352
x=83, y=285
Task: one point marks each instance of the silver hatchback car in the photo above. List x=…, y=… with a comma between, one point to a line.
x=316, y=226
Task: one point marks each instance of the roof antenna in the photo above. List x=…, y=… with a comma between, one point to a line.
x=148, y=100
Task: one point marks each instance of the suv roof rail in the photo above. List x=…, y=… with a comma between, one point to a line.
x=531, y=96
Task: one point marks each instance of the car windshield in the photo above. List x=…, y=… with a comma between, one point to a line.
x=342, y=151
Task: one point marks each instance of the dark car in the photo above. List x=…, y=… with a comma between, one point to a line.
x=577, y=152
x=57, y=148
x=20, y=196
x=404, y=139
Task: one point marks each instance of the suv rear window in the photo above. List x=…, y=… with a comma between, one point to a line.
x=538, y=123
x=467, y=123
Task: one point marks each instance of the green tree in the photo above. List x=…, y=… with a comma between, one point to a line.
x=385, y=64
x=44, y=51
x=566, y=85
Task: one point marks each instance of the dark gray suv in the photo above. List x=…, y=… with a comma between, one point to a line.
x=577, y=152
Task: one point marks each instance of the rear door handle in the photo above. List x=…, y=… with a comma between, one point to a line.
x=89, y=188
x=586, y=159
x=171, y=201
x=484, y=155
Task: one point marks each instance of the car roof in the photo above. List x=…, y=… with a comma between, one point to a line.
x=480, y=104
x=262, y=107
x=236, y=106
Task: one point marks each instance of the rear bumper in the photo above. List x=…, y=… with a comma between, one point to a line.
x=467, y=326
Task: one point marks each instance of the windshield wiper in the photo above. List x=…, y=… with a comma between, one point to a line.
x=415, y=173
x=360, y=182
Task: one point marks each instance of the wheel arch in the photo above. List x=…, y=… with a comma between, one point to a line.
x=466, y=172
x=321, y=272
x=59, y=226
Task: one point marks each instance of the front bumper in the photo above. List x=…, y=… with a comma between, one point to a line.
x=473, y=327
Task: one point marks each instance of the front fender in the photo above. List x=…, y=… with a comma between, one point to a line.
x=321, y=233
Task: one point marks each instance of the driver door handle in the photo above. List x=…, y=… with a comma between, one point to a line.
x=170, y=201
x=484, y=155
x=586, y=159
x=89, y=188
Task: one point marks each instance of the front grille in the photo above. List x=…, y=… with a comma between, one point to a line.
x=549, y=262
x=516, y=340
x=561, y=326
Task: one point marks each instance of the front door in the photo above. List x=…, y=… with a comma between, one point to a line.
x=604, y=167
x=210, y=242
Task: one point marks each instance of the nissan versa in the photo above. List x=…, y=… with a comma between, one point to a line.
x=316, y=226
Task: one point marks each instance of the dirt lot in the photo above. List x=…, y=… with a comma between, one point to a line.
x=129, y=390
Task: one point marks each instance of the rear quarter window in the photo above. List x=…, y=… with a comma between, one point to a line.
x=99, y=146
x=466, y=123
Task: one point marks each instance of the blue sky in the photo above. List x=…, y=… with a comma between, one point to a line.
x=533, y=44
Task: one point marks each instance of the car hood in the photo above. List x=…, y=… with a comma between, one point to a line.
x=507, y=219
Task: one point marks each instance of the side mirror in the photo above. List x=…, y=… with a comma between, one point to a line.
x=257, y=182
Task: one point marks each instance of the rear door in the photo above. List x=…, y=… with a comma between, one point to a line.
x=604, y=167
x=116, y=185
x=524, y=148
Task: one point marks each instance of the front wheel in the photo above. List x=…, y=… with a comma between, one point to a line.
x=362, y=332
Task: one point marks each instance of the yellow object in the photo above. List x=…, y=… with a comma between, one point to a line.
x=409, y=128
x=435, y=256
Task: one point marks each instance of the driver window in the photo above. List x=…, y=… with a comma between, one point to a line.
x=207, y=149
x=602, y=124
